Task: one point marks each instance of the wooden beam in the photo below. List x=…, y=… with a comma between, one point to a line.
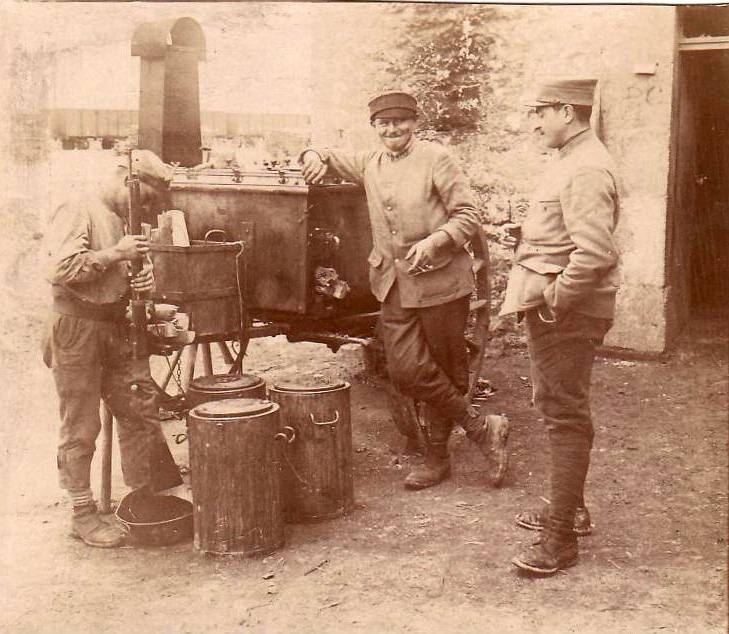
x=704, y=43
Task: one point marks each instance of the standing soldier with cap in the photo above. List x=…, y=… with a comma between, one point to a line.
x=422, y=214
x=564, y=280
x=87, y=345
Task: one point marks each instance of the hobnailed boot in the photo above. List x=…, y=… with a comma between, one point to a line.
x=435, y=468
x=88, y=526
x=490, y=433
x=556, y=550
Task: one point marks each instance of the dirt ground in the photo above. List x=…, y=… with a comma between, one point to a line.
x=429, y=561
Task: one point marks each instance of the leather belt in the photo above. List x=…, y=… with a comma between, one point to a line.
x=77, y=307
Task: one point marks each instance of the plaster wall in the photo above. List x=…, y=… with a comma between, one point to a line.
x=630, y=49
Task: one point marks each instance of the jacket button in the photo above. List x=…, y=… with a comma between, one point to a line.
x=394, y=232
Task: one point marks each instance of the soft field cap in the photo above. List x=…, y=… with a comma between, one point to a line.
x=149, y=167
x=393, y=104
x=578, y=92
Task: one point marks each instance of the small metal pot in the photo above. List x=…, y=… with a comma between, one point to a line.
x=158, y=520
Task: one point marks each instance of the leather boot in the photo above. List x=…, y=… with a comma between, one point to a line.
x=435, y=468
x=490, y=434
x=88, y=526
x=536, y=520
x=556, y=550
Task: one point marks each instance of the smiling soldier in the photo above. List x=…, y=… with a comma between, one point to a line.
x=422, y=213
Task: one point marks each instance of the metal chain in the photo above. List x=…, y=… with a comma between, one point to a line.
x=178, y=375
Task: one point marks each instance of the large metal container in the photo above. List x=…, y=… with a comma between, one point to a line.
x=290, y=229
x=235, y=467
x=216, y=387
x=317, y=469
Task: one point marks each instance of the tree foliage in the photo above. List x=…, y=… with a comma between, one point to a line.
x=442, y=57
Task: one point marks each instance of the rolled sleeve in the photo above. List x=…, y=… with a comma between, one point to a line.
x=70, y=258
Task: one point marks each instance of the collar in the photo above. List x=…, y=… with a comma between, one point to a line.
x=574, y=141
x=406, y=151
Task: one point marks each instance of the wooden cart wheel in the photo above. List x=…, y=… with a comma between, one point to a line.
x=407, y=413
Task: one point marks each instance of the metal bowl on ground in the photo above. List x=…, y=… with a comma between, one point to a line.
x=156, y=520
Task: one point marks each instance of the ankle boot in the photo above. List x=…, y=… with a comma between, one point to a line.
x=435, y=468
x=87, y=525
x=556, y=550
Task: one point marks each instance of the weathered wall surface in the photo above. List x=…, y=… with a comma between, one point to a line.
x=607, y=42
x=324, y=56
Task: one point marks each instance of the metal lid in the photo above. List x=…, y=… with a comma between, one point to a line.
x=308, y=384
x=224, y=382
x=233, y=407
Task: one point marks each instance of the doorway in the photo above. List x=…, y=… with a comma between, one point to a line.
x=698, y=250
x=707, y=74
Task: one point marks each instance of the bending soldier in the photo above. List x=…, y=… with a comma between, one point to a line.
x=88, y=346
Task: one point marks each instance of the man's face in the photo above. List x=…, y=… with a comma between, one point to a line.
x=395, y=133
x=550, y=124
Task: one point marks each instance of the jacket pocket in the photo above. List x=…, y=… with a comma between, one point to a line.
x=545, y=223
x=533, y=287
x=448, y=278
x=72, y=340
x=374, y=258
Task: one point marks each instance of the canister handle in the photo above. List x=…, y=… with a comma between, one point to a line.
x=285, y=434
x=326, y=422
x=207, y=235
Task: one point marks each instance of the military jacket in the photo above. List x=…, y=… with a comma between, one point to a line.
x=567, y=257
x=410, y=196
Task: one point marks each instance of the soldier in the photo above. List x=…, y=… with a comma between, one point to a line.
x=422, y=214
x=563, y=281
x=87, y=345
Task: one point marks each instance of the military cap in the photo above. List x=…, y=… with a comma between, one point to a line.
x=393, y=104
x=578, y=92
x=149, y=167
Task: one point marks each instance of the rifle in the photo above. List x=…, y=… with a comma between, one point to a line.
x=138, y=332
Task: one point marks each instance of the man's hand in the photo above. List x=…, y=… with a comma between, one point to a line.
x=144, y=280
x=512, y=235
x=132, y=247
x=422, y=254
x=313, y=168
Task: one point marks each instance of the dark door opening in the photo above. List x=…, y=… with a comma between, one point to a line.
x=706, y=74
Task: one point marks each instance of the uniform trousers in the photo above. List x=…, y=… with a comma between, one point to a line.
x=562, y=354
x=427, y=358
x=91, y=360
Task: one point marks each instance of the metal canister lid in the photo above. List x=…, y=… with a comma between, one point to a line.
x=233, y=408
x=309, y=384
x=225, y=382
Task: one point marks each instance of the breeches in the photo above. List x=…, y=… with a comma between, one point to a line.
x=427, y=357
x=92, y=360
x=562, y=355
